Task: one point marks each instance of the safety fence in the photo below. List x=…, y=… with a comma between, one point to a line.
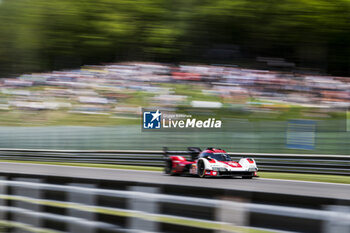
x=301, y=163
x=266, y=136
x=31, y=205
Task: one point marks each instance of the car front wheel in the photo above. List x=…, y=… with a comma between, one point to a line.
x=248, y=177
x=201, y=169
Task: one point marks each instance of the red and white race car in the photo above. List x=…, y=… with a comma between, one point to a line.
x=208, y=163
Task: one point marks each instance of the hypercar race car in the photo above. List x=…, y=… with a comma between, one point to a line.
x=209, y=163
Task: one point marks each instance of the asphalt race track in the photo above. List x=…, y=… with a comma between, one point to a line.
x=314, y=189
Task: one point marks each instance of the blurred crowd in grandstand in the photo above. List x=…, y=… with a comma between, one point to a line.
x=105, y=89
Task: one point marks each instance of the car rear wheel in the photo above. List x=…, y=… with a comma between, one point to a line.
x=168, y=166
x=201, y=169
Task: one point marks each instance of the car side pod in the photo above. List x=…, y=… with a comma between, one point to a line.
x=172, y=163
x=248, y=163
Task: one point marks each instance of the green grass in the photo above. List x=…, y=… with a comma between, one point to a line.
x=92, y=120
x=306, y=177
x=59, y=117
x=193, y=92
x=139, y=98
x=270, y=175
x=113, y=166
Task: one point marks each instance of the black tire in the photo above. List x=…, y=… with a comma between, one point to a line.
x=201, y=169
x=247, y=177
x=168, y=167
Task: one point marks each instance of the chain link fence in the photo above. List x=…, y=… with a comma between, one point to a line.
x=241, y=136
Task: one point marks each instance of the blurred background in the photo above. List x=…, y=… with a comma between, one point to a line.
x=76, y=74
x=75, y=77
x=297, y=35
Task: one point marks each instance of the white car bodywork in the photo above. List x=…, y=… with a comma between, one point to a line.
x=244, y=165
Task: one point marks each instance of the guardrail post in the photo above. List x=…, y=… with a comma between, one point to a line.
x=32, y=192
x=233, y=212
x=143, y=205
x=3, y=191
x=337, y=223
x=82, y=198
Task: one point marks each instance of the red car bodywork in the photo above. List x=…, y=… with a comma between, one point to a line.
x=179, y=164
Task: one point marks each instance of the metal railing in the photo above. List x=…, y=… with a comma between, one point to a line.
x=26, y=205
x=301, y=163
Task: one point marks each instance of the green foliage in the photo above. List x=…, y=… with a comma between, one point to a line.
x=43, y=35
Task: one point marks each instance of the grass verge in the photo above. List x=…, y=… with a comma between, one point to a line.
x=306, y=177
x=269, y=175
x=113, y=166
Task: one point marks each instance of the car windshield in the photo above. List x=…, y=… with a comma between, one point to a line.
x=221, y=157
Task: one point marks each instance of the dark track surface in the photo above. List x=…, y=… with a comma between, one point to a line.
x=315, y=189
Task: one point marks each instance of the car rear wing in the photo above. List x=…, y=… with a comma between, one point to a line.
x=192, y=152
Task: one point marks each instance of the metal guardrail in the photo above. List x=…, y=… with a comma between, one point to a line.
x=22, y=206
x=300, y=163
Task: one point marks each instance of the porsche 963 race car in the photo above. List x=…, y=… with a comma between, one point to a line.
x=208, y=163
